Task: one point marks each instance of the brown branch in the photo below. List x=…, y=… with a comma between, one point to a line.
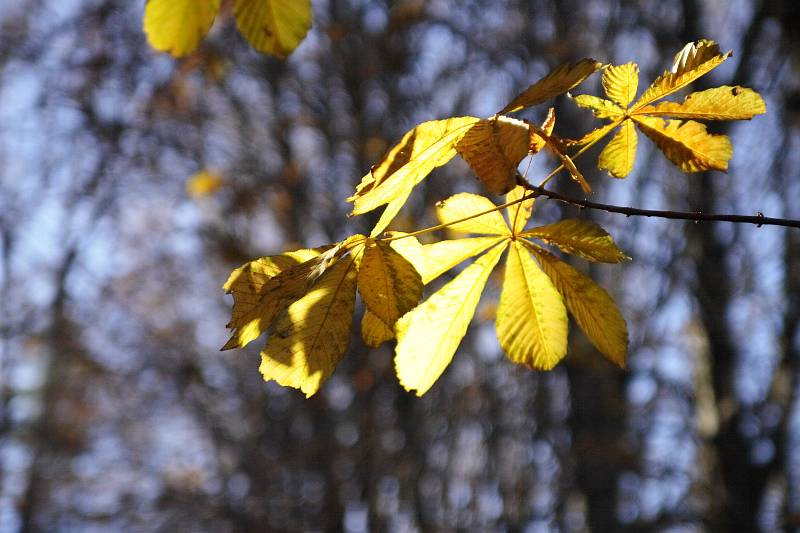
x=758, y=219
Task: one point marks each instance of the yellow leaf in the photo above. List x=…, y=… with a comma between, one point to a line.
x=312, y=335
x=580, y=237
x=619, y=154
x=464, y=204
x=433, y=260
x=428, y=336
x=694, y=60
x=620, y=83
x=600, y=107
x=391, y=210
x=720, y=103
x=374, y=331
x=539, y=141
x=590, y=305
x=594, y=135
x=558, y=81
x=531, y=317
x=518, y=214
x=388, y=283
x=264, y=287
x=688, y=144
x=427, y=146
x=494, y=148
x=177, y=26
x=273, y=27
x=203, y=183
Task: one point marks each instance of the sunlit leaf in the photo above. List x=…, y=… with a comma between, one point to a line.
x=391, y=210
x=428, y=336
x=620, y=153
x=273, y=27
x=580, y=237
x=178, y=26
x=464, y=204
x=494, y=148
x=520, y=213
x=556, y=82
x=310, y=338
x=203, y=183
x=427, y=146
x=388, y=283
x=531, y=317
x=620, y=83
x=719, y=103
x=590, y=305
x=594, y=135
x=263, y=288
x=694, y=60
x=539, y=141
x=600, y=107
x=688, y=144
x=433, y=260
x=374, y=331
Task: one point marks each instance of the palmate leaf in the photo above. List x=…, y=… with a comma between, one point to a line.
x=589, y=304
x=428, y=336
x=178, y=26
x=531, y=317
x=687, y=144
x=273, y=27
x=558, y=81
x=311, y=337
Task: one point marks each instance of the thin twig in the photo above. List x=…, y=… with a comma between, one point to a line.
x=758, y=219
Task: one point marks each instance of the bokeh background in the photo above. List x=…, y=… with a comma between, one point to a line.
x=119, y=413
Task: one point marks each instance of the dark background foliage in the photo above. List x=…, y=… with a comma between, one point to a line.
x=118, y=412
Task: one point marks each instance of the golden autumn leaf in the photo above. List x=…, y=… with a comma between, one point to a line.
x=178, y=26
x=374, y=331
x=687, y=144
x=519, y=213
x=428, y=336
x=203, y=183
x=695, y=60
x=388, y=283
x=433, y=260
x=589, y=304
x=263, y=288
x=558, y=81
x=493, y=148
x=427, y=146
x=531, y=317
x=719, y=103
x=621, y=82
x=580, y=237
x=463, y=205
x=310, y=338
x=273, y=27
x=620, y=153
